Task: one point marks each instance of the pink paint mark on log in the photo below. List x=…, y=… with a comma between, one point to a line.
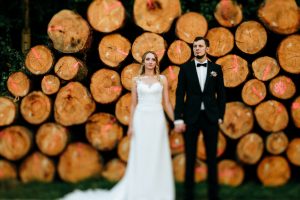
x=280, y=88
x=280, y=108
x=36, y=54
x=200, y=170
x=235, y=65
x=224, y=4
x=12, y=83
x=171, y=72
x=178, y=48
x=116, y=89
x=109, y=8
x=295, y=105
x=79, y=148
x=227, y=173
x=122, y=52
x=55, y=28
x=255, y=91
x=219, y=151
x=150, y=4
x=1, y=134
x=266, y=71
x=1, y=173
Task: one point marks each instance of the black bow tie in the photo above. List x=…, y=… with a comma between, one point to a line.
x=201, y=64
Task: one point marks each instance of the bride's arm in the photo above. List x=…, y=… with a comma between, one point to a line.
x=166, y=100
x=132, y=106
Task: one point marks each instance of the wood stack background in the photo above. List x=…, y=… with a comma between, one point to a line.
x=67, y=114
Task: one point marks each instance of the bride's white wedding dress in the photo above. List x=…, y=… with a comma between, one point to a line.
x=149, y=174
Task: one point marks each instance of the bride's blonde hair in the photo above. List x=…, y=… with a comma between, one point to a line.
x=142, y=69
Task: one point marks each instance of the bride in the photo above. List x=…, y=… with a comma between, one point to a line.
x=149, y=174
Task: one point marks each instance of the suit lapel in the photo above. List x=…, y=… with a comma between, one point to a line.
x=194, y=74
x=209, y=69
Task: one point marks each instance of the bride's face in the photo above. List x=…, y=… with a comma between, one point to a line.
x=150, y=61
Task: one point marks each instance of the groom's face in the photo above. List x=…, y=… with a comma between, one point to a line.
x=199, y=48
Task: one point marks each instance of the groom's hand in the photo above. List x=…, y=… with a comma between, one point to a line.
x=180, y=127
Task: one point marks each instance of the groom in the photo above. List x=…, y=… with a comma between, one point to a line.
x=200, y=104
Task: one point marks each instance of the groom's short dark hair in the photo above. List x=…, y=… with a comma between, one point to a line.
x=206, y=41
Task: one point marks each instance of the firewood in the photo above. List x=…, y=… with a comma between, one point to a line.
x=274, y=171
x=281, y=17
x=15, y=142
x=221, y=41
x=39, y=60
x=36, y=107
x=282, y=87
x=253, y=92
x=103, y=131
x=238, y=120
x=276, y=143
x=78, y=162
x=18, y=84
x=106, y=15
x=186, y=26
x=250, y=148
x=52, y=138
x=8, y=111
x=69, y=32
x=228, y=13
x=271, y=116
x=70, y=68
x=235, y=70
x=37, y=167
x=50, y=84
x=156, y=15
x=73, y=104
x=250, y=37
x=105, y=86
x=113, y=49
x=265, y=68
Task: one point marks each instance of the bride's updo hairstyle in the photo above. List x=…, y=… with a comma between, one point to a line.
x=142, y=69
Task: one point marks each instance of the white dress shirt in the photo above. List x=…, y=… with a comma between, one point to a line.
x=201, y=73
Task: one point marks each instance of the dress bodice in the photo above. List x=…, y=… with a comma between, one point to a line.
x=149, y=94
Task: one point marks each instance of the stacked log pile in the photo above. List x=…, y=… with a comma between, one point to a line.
x=69, y=112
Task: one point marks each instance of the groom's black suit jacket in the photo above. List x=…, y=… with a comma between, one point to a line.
x=213, y=95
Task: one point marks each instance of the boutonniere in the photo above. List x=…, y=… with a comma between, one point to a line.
x=213, y=74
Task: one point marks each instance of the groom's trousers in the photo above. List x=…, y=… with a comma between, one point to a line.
x=210, y=133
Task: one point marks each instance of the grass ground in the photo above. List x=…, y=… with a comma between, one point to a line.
x=247, y=191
